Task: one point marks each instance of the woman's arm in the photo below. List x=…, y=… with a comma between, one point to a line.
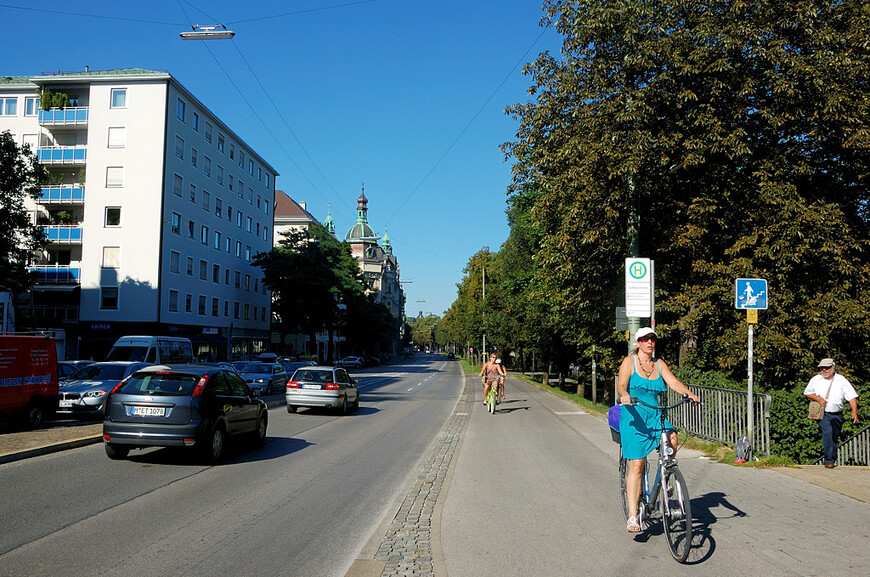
x=625, y=370
x=483, y=369
x=674, y=383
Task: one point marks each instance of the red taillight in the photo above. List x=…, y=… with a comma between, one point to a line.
x=292, y=385
x=332, y=387
x=106, y=437
x=200, y=386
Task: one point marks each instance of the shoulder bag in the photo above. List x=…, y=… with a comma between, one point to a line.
x=817, y=411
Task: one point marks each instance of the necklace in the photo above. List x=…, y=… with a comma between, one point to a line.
x=649, y=372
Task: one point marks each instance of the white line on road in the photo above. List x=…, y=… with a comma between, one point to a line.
x=570, y=413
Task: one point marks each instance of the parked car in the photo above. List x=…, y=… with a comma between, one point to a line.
x=65, y=369
x=351, y=362
x=321, y=386
x=28, y=378
x=194, y=406
x=228, y=366
x=264, y=377
x=85, y=391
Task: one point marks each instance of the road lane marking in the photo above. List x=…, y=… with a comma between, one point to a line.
x=570, y=413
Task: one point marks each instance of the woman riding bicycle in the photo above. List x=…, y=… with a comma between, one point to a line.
x=643, y=376
x=493, y=372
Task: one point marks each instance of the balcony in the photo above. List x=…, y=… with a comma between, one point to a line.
x=63, y=233
x=62, y=154
x=57, y=274
x=59, y=117
x=62, y=195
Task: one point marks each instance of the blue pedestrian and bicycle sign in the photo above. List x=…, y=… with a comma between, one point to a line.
x=750, y=293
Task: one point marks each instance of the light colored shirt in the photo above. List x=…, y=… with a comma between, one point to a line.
x=841, y=391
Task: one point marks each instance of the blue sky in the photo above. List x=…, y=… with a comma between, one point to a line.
x=403, y=95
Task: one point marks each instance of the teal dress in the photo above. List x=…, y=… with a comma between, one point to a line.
x=639, y=426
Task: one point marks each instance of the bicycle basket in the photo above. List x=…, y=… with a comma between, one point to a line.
x=613, y=420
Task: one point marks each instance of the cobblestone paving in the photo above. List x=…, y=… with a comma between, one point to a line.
x=406, y=548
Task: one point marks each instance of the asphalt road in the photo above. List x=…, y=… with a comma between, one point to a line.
x=305, y=504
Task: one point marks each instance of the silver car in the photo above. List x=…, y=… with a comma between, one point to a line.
x=85, y=391
x=328, y=387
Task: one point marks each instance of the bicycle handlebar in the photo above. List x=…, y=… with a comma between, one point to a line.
x=683, y=399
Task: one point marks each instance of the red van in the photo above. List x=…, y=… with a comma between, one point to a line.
x=28, y=378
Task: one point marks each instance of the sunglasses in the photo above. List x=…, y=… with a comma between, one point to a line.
x=826, y=368
x=645, y=339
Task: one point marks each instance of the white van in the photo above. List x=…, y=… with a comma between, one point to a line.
x=158, y=350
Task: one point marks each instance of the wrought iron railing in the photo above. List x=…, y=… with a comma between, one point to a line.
x=853, y=451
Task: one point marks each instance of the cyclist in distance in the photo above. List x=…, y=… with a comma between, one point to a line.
x=501, y=379
x=643, y=376
x=493, y=372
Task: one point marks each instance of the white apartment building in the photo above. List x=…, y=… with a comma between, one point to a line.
x=155, y=211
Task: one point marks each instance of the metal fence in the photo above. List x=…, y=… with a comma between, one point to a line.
x=721, y=416
x=854, y=451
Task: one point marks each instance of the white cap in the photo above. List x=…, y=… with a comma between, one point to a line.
x=498, y=361
x=644, y=331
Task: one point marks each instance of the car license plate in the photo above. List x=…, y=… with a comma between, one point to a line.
x=149, y=411
x=311, y=387
x=63, y=403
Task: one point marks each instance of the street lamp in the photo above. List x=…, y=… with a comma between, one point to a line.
x=208, y=33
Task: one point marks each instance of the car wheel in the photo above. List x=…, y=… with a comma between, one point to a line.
x=355, y=406
x=260, y=433
x=117, y=452
x=34, y=416
x=344, y=410
x=291, y=409
x=269, y=388
x=214, y=446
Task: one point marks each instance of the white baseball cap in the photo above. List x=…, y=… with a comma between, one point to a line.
x=643, y=332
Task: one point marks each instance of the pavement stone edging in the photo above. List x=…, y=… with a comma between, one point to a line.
x=407, y=546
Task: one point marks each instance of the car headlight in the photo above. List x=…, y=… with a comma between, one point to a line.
x=259, y=380
x=94, y=394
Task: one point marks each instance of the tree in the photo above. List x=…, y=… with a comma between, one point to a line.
x=20, y=177
x=738, y=132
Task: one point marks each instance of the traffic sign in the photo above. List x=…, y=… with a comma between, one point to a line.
x=750, y=293
x=638, y=287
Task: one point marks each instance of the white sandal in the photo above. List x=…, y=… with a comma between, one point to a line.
x=633, y=526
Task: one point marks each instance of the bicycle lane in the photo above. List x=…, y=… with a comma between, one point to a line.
x=534, y=491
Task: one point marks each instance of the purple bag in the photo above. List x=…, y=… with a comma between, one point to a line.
x=613, y=416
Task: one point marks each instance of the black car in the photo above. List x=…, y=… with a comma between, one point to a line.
x=195, y=406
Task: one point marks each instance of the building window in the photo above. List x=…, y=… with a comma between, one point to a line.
x=268, y=180
x=220, y=175
x=251, y=167
x=31, y=106
x=111, y=257
x=188, y=303
x=226, y=308
x=177, y=184
x=236, y=310
x=119, y=98
x=227, y=276
x=248, y=253
x=109, y=298
x=263, y=313
x=217, y=240
x=206, y=200
x=174, y=261
x=192, y=193
x=191, y=229
x=247, y=312
x=247, y=282
x=202, y=305
x=239, y=249
x=230, y=181
x=248, y=222
x=180, y=109
x=230, y=213
x=250, y=195
x=218, y=207
x=239, y=217
x=216, y=273
x=220, y=142
x=176, y=223
x=113, y=216
x=203, y=270
x=241, y=191
x=232, y=151
x=206, y=166
x=190, y=266
x=117, y=136
x=215, y=306
x=173, y=301
x=203, y=235
x=257, y=229
x=266, y=206
x=256, y=285
x=228, y=244
x=114, y=176
x=265, y=233
x=242, y=159
x=207, y=132
x=238, y=279
x=259, y=174
x=194, y=156
x=179, y=147
x=196, y=121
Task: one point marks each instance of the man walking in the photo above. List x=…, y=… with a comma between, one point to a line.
x=831, y=391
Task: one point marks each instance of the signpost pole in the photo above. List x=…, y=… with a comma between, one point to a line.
x=750, y=417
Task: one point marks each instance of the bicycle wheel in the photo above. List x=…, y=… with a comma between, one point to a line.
x=491, y=401
x=623, y=471
x=677, y=514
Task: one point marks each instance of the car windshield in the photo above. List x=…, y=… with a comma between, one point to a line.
x=100, y=373
x=313, y=376
x=127, y=354
x=256, y=368
x=159, y=384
